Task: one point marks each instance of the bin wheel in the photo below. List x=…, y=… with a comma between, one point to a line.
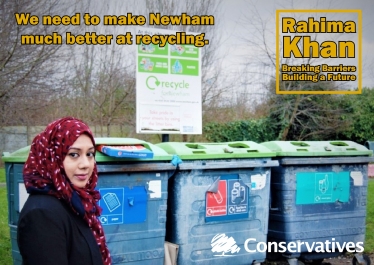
x=366, y=260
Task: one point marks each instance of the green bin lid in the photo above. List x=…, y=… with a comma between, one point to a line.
x=22, y=154
x=244, y=149
x=19, y=155
x=317, y=148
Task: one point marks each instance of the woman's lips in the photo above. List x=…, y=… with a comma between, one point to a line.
x=81, y=176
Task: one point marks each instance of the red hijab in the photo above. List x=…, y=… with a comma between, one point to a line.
x=44, y=172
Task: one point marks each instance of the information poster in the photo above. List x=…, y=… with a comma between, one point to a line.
x=168, y=87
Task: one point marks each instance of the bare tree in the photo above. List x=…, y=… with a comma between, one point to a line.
x=103, y=87
x=101, y=82
x=29, y=74
x=300, y=116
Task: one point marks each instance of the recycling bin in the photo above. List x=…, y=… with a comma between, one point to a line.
x=218, y=202
x=16, y=194
x=318, y=199
x=133, y=185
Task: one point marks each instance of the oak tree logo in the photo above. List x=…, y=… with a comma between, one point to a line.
x=223, y=244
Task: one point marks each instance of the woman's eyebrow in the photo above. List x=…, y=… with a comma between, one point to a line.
x=77, y=148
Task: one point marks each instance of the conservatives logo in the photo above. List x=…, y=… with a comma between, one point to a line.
x=224, y=244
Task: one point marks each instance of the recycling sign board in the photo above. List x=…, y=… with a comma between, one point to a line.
x=168, y=87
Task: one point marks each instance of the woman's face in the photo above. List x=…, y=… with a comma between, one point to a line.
x=80, y=161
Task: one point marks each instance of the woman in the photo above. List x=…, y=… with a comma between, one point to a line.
x=59, y=222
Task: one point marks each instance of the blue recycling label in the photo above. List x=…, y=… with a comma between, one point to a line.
x=322, y=187
x=123, y=205
x=112, y=205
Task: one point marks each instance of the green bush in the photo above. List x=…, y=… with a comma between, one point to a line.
x=369, y=237
x=259, y=130
x=361, y=117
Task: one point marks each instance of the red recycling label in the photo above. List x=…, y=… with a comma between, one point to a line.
x=216, y=203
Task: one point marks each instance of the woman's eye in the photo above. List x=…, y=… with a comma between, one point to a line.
x=91, y=154
x=73, y=155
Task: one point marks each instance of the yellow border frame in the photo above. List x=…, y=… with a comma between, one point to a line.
x=359, y=66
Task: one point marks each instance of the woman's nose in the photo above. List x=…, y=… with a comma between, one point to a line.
x=84, y=162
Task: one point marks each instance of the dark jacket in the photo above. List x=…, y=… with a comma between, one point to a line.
x=50, y=233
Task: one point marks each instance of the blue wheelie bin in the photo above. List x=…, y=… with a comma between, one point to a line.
x=133, y=185
x=16, y=194
x=318, y=199
x=218, y=202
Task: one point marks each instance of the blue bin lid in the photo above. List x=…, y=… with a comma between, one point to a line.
x=158, y=153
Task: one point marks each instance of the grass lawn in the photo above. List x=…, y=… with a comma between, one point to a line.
x=369, y=242
x=5, y=246
x=2, y=175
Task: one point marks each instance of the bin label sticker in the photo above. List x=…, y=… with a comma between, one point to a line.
x=111, y=203
x=238, y=197
x=229, y=202
x=358, y=178
x=123, y=205
x=322, y=187
x=216, y=204
x=258, y=181
x=154, y=187
x=22, y=195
